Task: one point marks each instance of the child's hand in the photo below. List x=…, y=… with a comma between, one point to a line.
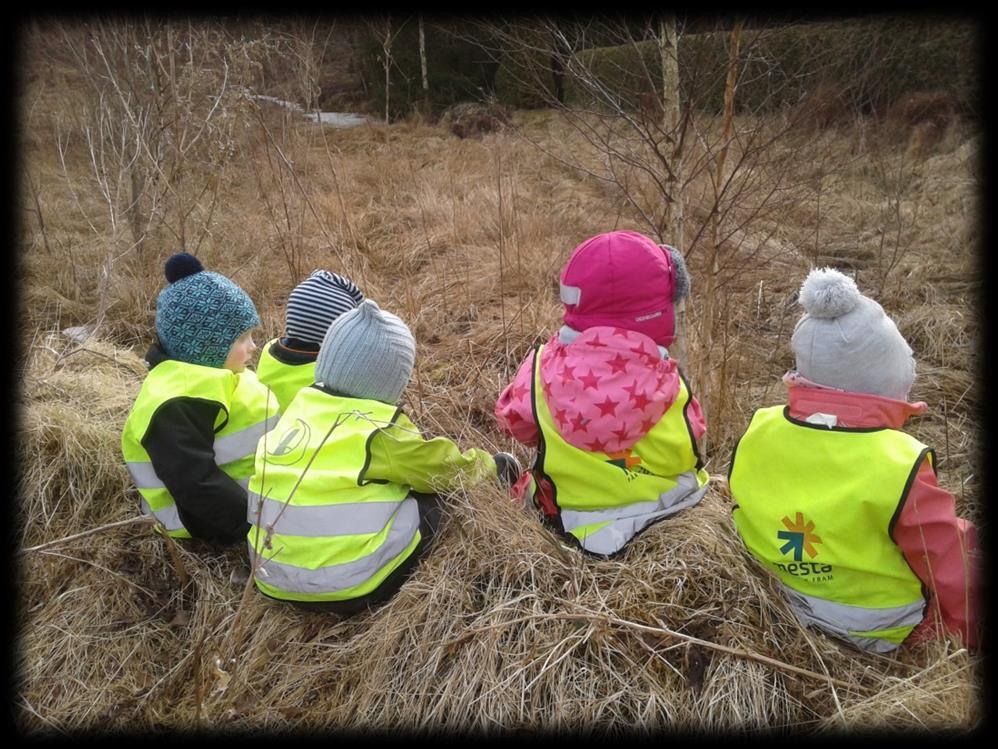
x=508, y=468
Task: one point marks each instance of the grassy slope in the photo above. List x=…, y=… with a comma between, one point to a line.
x=501, y=627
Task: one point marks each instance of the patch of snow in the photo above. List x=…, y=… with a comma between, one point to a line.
x=79, y=333
x=335, y=119
x=339, y=119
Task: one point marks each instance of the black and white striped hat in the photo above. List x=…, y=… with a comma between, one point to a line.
x=316, y=302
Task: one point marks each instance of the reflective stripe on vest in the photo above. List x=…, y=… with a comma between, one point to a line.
x=816, y=506
x=285, y=380
x=318, y=583
x=322, y=520
x=242, y=420
x=324, y=531
x=877, y=630
x=603, y=505
x=227, y=449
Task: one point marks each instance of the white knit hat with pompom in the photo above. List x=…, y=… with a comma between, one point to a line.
x=846, y=341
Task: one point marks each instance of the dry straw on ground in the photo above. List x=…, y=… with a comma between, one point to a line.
x=502, y=627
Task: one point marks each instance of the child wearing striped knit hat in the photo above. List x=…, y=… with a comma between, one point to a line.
x=287, y=363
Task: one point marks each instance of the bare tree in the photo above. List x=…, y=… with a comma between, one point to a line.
x=422, y=62
x=689, y=162
x=386, y=34
x=163, y=112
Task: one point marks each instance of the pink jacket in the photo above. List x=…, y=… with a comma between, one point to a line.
x=606, y=389
x=940, y=548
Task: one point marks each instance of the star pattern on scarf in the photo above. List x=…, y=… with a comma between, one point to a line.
x=639, y=348
x=589, y=381
x=608, y=407
x=618, y=364
x=641, y=401
x=597, y=446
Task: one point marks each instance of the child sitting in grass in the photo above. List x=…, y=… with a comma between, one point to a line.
x=841, y=504
x=611, y=415
x=287, y=364
x=342, y=503
x=190, y=438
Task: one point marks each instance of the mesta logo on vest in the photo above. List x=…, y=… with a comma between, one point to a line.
x=798, y=539
x=629, y=463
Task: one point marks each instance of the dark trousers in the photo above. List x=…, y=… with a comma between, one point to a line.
x=429, y=519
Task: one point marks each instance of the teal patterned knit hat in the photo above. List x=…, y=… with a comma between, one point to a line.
x=201, y=314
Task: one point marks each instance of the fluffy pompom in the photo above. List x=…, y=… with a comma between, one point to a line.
x=182, y=265
x=681, y=276
x=828, y=293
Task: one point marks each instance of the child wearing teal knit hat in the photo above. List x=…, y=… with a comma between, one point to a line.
x=190, y=438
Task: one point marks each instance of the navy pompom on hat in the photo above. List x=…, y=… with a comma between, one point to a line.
x=201, y=314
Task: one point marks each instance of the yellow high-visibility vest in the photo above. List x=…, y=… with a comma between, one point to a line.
x=248, y=410
x=816, y=506
x=604, y=501
x=285, y=380
x=323, y=530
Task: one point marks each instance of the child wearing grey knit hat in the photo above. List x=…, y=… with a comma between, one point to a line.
x=838, y=502
x=845, y=340
x=287, y=364
x=353, y=466
x=367, y=353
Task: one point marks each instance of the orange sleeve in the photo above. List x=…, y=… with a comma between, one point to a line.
x=941, y=550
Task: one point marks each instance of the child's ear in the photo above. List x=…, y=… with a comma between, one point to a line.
x=681, y=277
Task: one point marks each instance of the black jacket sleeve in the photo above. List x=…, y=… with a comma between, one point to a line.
x=180, y=442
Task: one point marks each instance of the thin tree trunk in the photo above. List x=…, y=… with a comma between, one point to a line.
x=422, y=63
x=711, y=302
x=675, y=214
x=669, y=53
x=386, y=47
x=137, y=184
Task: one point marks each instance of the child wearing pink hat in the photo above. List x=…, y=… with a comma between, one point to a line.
x=609, y=411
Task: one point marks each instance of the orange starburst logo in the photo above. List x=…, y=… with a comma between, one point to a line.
x=799, y=537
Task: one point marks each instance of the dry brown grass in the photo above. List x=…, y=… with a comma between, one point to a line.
x=502, y=627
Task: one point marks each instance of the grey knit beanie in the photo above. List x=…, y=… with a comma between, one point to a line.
x=846, y=341
x=316, y=302
x=201, y=314
x=367, y=353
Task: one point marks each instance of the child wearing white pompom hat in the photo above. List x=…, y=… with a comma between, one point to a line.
x=838, y=502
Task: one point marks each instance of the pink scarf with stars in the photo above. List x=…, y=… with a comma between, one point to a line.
x=607, y=388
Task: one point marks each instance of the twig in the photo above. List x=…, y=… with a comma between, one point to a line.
x=62, y=357
x=178, y=563
x=119, y=523
x=729, y=650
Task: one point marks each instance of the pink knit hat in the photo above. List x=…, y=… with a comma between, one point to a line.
x=625, y=280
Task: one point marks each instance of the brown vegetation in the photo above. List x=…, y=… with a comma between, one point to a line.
x=503, y=627
x=472, y=119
